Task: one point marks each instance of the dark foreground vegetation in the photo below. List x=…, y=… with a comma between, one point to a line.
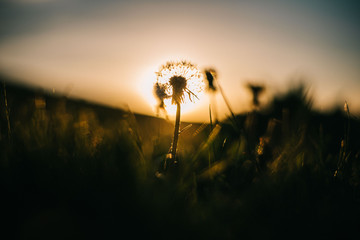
x=70, y=169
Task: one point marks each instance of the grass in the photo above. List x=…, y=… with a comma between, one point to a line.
x=71, y=169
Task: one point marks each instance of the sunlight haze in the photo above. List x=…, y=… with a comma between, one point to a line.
x=109, y=51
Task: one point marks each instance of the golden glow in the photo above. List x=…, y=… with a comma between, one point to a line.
x=186, y=107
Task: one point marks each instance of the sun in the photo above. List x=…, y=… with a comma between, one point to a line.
x=186, y=107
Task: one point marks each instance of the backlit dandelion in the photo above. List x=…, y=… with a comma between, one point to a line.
x=181, y=80
x=178, y=82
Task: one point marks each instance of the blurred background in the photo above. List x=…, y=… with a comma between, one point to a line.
x=108, y=51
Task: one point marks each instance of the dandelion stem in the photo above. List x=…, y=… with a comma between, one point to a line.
x=176, y=132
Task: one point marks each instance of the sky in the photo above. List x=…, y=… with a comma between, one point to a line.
x=108, y=51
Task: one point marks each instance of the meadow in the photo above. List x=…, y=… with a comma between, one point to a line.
x=73, y=169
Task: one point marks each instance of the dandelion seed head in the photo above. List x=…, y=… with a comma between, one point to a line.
x=181, y=81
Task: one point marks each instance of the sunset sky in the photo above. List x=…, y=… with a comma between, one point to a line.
x=108, y=51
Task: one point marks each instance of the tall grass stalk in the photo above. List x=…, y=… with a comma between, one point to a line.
x=344, y=153
x=210, y=117
x=7, y=111
x=347, y=127
x=227, y=102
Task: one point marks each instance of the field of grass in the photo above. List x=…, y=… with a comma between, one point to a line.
x=71, y=169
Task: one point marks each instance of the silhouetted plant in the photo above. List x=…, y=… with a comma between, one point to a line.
x=6, y=107
x=214, y=85
x=160, y=94
x=178, y=81
x=256, y=90
x=344, y=154
x=211, y=76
